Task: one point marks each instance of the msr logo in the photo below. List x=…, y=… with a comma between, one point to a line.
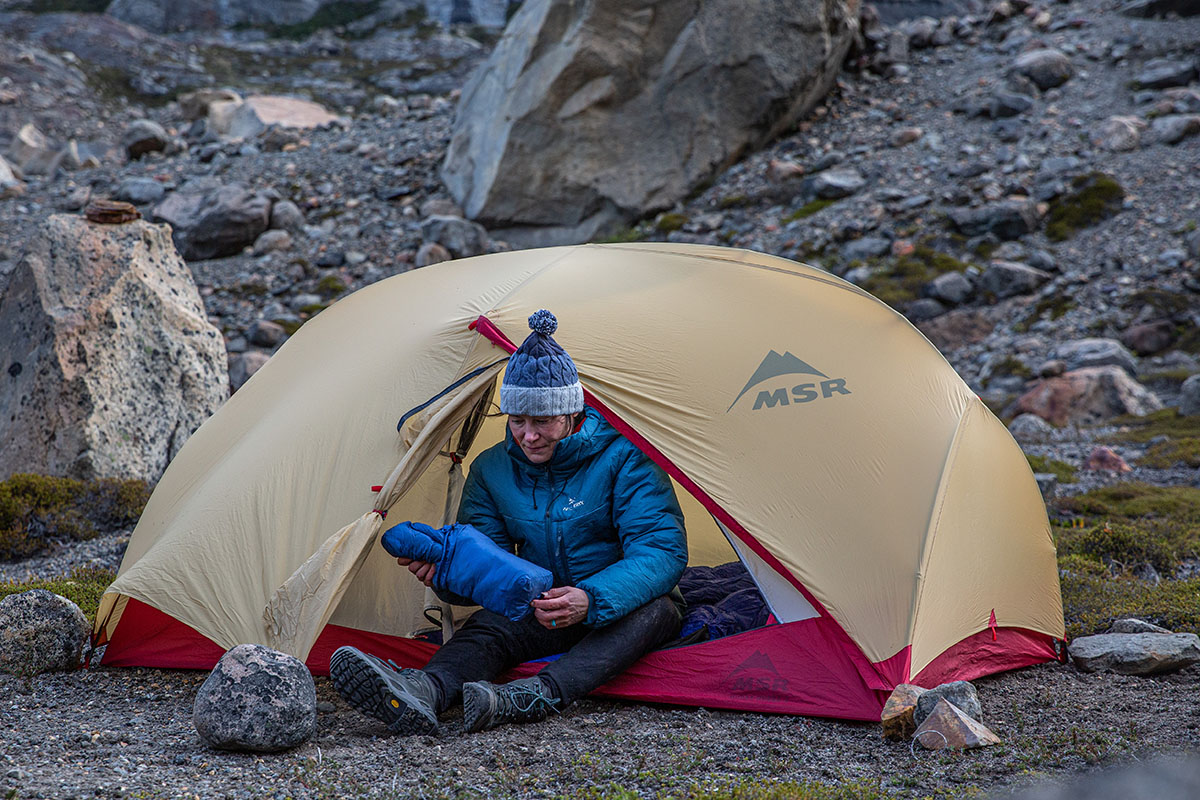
x=776, y=366
x=756, y=675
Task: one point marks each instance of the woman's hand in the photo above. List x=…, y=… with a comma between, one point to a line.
x=422, y=569
x=561, y=606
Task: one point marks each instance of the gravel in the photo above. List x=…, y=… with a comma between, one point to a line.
x=106, y=732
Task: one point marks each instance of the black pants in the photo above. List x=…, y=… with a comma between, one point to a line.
x=489, y=644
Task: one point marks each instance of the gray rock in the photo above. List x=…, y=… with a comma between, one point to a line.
x=1030, y=428
x=1134, y=625
x=256, y=699
x=31, y=152
x=589, y=114
x=40, y=632
x=923, y=309
x=265, y=333
x=244, y=365
x=1193, y=244
x=215, y=222
x=1189, y=397
x=1009, y=104
x=865, y=248
x=951, y=287
x=1010, y=278
x=1163, y=73
x=461, y=237
x=431, y=253
x=110, y=360
x=1009, y=219
x=1135, y=653
x=140, y=191
x=1174, y=128
x=1095, y=352
x=144, y=136
x=1052, y=368
x=1119, y=134
x=10, y=184
x=1047, y=483
x=834, y=184
x=1149, y=337
x=960, y=693
x=272, y=241
x=1047, y=68
x=286, y=216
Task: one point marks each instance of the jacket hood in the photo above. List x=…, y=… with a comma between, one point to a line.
x=593, y=436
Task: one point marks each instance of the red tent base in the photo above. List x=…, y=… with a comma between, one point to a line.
x=796, y=668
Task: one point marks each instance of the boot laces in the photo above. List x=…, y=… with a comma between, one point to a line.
x=523, y=701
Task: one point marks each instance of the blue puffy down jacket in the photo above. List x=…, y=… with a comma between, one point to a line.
x=471, y=566
x=599, y=515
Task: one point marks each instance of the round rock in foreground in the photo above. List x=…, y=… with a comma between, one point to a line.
x=256, y=699
x=40, y=631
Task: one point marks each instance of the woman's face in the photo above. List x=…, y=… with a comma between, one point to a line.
x=537, y=436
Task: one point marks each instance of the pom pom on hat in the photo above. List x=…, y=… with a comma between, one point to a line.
x=541, y=380
x=543, y=322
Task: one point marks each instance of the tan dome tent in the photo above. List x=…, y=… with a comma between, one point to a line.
x=888, y=518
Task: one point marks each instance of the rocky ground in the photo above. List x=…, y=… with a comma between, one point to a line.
x=917, y=130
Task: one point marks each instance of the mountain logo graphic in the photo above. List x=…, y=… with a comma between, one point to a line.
x=777, y=366
x=757, y=675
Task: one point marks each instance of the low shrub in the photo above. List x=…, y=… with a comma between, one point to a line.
x=84, y=587
x=37, y=510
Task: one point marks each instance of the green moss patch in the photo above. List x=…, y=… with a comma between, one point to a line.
x=1175, y=453
x=36, y=510
x=808, y=209
x=331, y=285
x=1059, y=469
x=1092, y=602
x=84, y=587
x=1130, y=545
x=1129, y=525
x=670, y=221
x=1164, y=422
x=900, y=280
x=1137, y=501
x=1093, y=198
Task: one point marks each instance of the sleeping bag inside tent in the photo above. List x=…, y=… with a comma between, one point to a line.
x=887, y=519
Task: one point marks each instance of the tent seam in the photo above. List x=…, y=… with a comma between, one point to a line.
x=931, y=530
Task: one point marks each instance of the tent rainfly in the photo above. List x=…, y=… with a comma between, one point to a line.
x=890, y=521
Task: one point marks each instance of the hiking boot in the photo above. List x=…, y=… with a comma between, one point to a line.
x=486, y=705
x=403, y=699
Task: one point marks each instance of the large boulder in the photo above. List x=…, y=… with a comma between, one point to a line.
x=256, y=699
x=1086, y=396
x=109, y=362
x=244, y=119
x=214, y=221
x=40, y=632
x=1095, y=352
x=1135, y=653
x=588, y=114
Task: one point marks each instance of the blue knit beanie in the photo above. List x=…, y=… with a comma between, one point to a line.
x=541, y=380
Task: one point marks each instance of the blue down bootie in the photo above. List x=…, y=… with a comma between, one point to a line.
x=403, y=699
x=486, y=705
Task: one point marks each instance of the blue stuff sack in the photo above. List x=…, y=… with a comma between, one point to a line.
x=471, y=565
